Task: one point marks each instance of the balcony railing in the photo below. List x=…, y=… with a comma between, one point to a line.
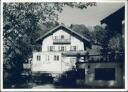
x=61, y=41
x=74, y=53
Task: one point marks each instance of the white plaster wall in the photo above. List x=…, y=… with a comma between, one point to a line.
x=51, y=65
x=61, y=32
x=67, y=64
x=48, y=41
x=77, y=42
x=46, y=65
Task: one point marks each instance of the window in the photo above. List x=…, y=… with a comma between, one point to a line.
x=38, y=58
x=89, y=66
x=47, y=59
x=65, y=48
x=62, y=36
x=62, y=48
x=56, y=57
x=73, y=48
x=51, y=48
x=54, y=37
x=105, y=74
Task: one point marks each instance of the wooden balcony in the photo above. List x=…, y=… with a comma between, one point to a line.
x=74, y=53
x=61, y=41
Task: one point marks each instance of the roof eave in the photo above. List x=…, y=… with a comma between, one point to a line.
x=42, y=37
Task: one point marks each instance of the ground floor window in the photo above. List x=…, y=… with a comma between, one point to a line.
x=105, y=74
x=38, y=57
x=47, y=58
x=56, y=57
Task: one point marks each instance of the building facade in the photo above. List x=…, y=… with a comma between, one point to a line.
x=60, y=48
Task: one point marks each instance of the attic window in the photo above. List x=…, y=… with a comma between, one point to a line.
x=54, y=37
x=62, y=36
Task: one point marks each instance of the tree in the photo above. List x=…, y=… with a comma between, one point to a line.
x=81, y=29
x=21, y=28
x=20, y=32
x=110, y=41
x=115, y=43
x=99, y=35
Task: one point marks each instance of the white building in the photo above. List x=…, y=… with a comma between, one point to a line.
x=61, y=48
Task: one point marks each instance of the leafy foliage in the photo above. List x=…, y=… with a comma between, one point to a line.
x=99, y=35
x=108, y=39
x=21, y=28
x=81, y=29
x=115, y=43
x=20, y=32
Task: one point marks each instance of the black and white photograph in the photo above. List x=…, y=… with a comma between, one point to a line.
x=63, y=45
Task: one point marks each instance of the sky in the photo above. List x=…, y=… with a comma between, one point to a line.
x=90, y=16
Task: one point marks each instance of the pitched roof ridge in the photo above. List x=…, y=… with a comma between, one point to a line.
x=64, y=27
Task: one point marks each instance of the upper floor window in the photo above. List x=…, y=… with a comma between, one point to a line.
x=61, y=39
x=73, y=48
x=55, y=37
x=38, y=57
x=47, y=58
x=50, y=48
x=62, y=48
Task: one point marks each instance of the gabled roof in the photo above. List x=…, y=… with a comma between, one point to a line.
x=62, y=27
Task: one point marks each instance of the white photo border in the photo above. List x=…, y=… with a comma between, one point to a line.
x=106, y=1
